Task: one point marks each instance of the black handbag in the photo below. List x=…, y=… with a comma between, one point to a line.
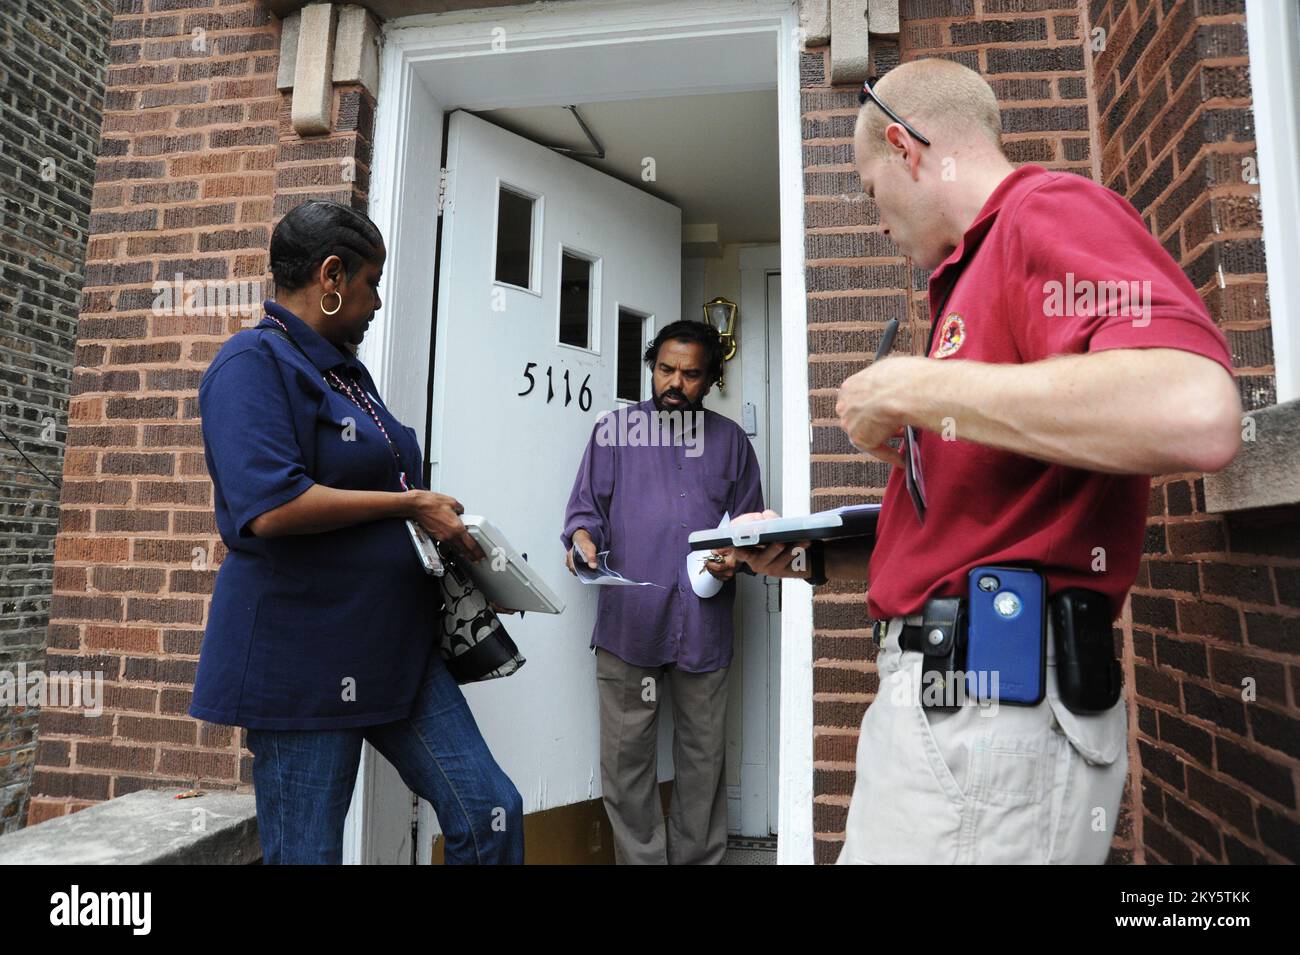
x=472, y=641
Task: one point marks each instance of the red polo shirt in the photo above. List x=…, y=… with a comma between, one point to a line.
x=1053, y=264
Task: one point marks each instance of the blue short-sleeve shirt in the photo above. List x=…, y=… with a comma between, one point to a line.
x=306, y=631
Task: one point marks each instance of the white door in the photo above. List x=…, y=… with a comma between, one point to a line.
x=553, y=277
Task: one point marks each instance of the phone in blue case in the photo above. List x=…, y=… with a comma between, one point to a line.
x=1006, y=635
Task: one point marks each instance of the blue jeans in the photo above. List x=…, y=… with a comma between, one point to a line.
x=303, y=780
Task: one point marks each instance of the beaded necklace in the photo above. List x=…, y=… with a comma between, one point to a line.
x=362, y=401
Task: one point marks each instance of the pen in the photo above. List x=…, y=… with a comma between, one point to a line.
x=887, y=339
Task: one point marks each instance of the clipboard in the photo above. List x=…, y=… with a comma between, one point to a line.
x=516, y=584
x=856, y=520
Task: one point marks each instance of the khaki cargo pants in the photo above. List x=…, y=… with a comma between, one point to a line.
x=982, y=783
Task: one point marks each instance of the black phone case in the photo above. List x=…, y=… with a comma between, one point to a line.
x=1088, y=676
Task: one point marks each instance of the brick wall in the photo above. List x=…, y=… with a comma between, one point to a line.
x=53, y=54
x=1217, y=599
x=198, y=161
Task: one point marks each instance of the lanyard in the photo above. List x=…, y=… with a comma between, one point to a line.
x=359, y=398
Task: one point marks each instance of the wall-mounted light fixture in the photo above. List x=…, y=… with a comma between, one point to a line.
x=721, y=314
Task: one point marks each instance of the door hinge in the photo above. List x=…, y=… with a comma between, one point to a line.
x=773, y=596
x=444, y=190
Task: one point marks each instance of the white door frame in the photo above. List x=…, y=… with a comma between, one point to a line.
x=761, y=675
x=403, y=203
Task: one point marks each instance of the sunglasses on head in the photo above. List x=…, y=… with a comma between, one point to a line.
x=867, y=93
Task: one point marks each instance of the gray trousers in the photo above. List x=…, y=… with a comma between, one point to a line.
x=629, y=723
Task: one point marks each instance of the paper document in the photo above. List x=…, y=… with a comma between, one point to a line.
x=602, y=575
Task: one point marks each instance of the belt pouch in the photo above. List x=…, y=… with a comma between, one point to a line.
x=943, y=648
x=1088, y=676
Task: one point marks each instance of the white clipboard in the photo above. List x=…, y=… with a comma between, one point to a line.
x=516, y=585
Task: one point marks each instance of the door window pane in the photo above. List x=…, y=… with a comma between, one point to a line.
x=631, y=348
x=575, y=300
x=514, y=238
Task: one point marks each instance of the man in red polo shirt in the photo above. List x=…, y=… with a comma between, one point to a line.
x=1070, y=359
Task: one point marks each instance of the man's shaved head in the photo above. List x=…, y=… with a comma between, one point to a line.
x=943, y=100
x=927, y=195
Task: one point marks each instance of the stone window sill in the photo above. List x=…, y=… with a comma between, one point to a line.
x=1266, y=472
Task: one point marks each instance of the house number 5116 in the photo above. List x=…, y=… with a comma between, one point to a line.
x=584, y=393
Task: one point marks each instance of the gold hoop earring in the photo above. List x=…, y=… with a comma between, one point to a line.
x=336, y=308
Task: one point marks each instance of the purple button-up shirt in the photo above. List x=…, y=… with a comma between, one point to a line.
x=639, y=493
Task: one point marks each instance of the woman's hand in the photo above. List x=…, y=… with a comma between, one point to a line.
x=439, y=514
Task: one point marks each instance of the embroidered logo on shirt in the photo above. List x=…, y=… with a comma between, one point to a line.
x=951, y=335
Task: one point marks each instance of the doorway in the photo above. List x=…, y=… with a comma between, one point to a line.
x=439, y=69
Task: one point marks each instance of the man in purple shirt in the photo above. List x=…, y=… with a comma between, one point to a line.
x=652, y=473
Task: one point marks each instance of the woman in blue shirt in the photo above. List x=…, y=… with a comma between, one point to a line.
x=321, y=630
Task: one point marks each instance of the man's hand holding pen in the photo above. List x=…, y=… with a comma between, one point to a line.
x=870, y=402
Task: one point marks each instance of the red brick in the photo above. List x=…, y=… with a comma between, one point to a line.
x=152, y=730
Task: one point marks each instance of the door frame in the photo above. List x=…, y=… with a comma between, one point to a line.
x=408, y=145
x=760, y=674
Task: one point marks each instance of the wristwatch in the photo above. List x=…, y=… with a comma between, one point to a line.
x=817, y=564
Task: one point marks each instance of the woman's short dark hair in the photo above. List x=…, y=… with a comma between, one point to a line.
x=313, y=231
x=699, y=333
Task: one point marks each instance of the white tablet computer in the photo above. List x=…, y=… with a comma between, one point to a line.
x=503, y=575
x=857, y=520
